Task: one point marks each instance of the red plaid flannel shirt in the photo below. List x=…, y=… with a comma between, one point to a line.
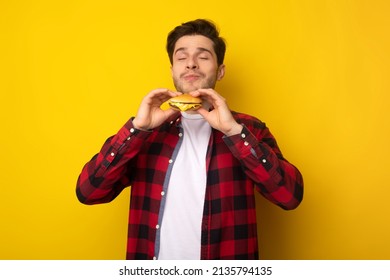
x=236, y=166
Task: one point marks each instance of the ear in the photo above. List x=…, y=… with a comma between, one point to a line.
x=221, y=72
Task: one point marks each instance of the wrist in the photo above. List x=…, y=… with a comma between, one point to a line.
x=137, y=126
x=235, y=129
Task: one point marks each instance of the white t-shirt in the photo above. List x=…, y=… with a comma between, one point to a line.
x=181, y=224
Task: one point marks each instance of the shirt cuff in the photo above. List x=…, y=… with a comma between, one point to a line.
x=128, y=133
x=245, y=145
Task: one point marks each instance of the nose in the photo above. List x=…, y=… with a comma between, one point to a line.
x=191, y=64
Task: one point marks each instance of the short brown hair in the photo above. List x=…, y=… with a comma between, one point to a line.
x=197, y=27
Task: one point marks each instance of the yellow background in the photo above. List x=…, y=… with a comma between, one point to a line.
x=317, y=72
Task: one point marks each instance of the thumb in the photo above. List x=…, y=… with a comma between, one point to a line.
x=170, y=112
x=202, y=111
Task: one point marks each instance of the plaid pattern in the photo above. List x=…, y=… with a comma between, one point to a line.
x=236, y=166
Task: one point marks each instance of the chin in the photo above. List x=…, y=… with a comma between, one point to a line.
x=184, y=87
x=189, y=88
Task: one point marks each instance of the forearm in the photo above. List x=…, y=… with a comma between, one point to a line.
x=107, y=173
x=275, y=178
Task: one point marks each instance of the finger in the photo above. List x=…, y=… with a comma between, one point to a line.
x=201, y=94
x=161, y=95
x=195, y=93
x=163, y=98
x=158, y=91
x=174, y=93
x=212, y=97
x=206, y=91
x=202, y=111
x=169, y=95
x=170, y=112
x=162, y=92
x=210, y=93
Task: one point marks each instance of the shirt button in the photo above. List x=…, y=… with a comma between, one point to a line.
x=157, y=226
x=180, y=134
x=171, y=122
x=264, y=160
x=243, y=135
x=154, y=258
x=132, y=130
x=112, y=154
x=128, y=138
x=162, y=193
x=246, y=143
x=170, y=161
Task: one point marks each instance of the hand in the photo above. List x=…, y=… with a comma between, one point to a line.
x=149, y=114
x=220, y=116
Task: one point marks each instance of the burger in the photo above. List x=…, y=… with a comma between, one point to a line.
x=185, y=102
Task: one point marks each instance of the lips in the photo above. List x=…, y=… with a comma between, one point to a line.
x=191, y=77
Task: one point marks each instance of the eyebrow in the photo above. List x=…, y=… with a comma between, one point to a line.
x=200, y=49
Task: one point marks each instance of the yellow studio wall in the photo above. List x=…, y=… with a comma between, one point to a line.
x=317, y=72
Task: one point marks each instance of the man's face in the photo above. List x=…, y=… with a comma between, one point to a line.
x=195, y=64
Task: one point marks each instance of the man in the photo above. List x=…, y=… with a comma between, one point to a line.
x=193, y=175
